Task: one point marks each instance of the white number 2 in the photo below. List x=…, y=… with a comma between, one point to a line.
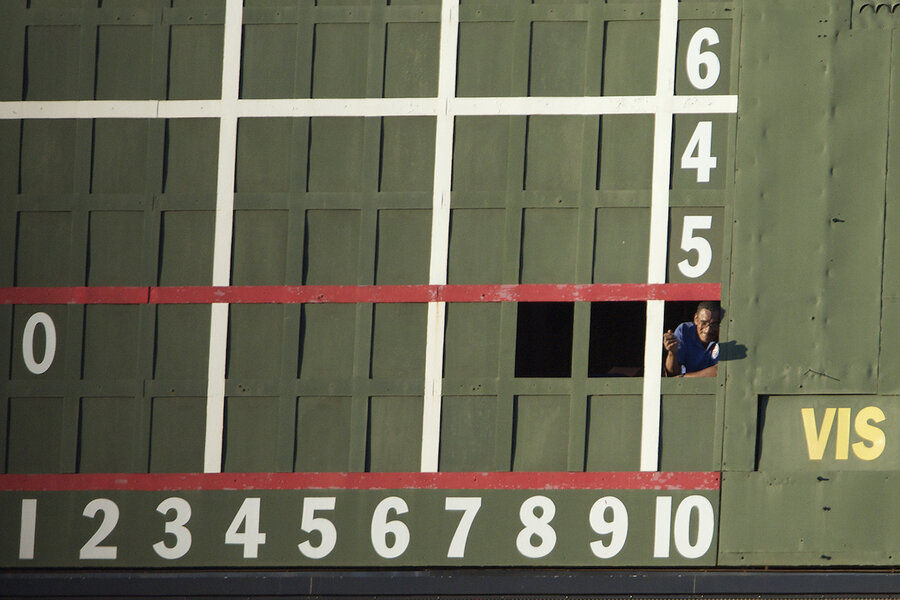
x=92, y=548
x=698, y=153
x=691, y=242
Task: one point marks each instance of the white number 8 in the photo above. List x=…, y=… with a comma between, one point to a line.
x=695, y=58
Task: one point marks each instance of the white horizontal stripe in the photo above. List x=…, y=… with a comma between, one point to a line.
x=363, y=107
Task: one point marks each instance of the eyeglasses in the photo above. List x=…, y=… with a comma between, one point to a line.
x=703, y=323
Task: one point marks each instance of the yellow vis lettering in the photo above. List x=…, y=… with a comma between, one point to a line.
x=842, y=444
x=816, y=439
x=869, y=433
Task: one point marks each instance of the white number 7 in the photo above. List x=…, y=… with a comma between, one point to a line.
x=470, y=506
x=691, y=242
x=701, y=143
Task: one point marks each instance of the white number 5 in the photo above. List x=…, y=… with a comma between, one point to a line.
x=691, y=242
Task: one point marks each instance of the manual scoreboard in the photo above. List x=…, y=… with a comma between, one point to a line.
x=352, y=283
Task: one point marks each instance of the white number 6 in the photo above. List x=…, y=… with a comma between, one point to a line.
x=691, y=242
x=695, y=58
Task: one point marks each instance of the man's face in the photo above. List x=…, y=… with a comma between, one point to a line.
x=707, y=323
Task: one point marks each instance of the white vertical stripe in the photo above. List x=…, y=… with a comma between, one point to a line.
x=27, y=529
x=440, y=236
x=218, y=326
x=659, y=223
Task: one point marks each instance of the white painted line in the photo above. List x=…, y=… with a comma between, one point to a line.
x=27, y=528
x=326, y=107
x=659, y=223
x=218, y=326
x=440, y=236
x=364, y=107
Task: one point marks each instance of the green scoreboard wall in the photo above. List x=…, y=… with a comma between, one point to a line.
x=374, y=283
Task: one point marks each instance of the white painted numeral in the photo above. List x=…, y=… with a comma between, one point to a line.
x=695, y=58
x=536, y=526
x=92, y=548
x=682, y=535
x=698, y=153
x=26, y=533
x=689, y=242
x=309, y=522
x=470, y=507
x=248, y=517
x=704, y=510
x=381, y=527
x=175, y=527
x=41, y=318
x=618, y=526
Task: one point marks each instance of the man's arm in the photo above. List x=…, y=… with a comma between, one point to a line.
x=670, y=343
x=707, y=372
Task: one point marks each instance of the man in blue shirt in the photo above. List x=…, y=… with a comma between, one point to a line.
x=693, y=349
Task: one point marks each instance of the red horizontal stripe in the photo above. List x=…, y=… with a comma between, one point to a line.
x=363, y=481
x=314, y=294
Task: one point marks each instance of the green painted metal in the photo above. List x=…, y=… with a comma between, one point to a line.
x=803, y=204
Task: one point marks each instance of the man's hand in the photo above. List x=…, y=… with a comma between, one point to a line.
x=670, y=342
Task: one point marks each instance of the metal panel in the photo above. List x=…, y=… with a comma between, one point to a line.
x=176, y=435
x=52, y=62
x=195, y=62
x=469, y=434
x=407, y=155
x=548, y=245
x=395, y=433
x=480, y=153
x=190, y=156
x=48, y=149
x=613, y=438
x=251, y=426
x=554, y=152
x=331, y=254
x=119, y=156
x=541, y=433
x=262, y=77
x=621, y=245
x=36, y=435
x=124, y=62
x=411, y=60
x=112, y=436
x=327, y=341
x=110, y=351
x=264, y=148
x=336, y=148
x=557, y=58
x=626, y=151
x=323, y=434
x=688, y=418
x=485, y=58
x=340, y=64
x=629, y=59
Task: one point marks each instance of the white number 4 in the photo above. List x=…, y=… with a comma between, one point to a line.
x=698, y=154
x=251, y=538
x=689, y=242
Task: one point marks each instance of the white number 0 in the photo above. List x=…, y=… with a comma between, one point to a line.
x=691, y=242
x=41, y=318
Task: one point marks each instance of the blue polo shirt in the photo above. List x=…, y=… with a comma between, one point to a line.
x=693, y=354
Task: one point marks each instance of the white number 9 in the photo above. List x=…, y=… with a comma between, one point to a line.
x=695, y=58
x=691, y=242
